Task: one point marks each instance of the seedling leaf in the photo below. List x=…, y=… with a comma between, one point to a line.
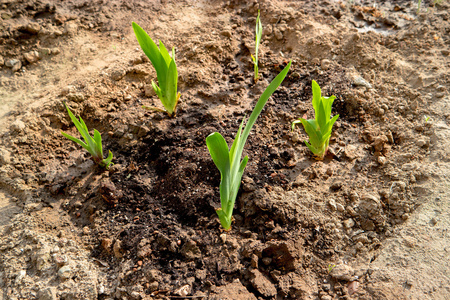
x=92, y=144
x=258, y=35
x=166, y=69
x=228, y=160
x=319, y=129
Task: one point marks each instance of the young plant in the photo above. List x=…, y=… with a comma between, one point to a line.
x=258, y=32
x=228, y=161
x=166, y=71
x=319, y=128
x=92, y=144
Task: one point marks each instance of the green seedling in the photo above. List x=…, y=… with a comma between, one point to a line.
x=427, y=118
x=166, y=71
x=92, y=144
x=258, y=35
x=331, y=267
x=228, y=161
x=319, y=128
x=418, y=6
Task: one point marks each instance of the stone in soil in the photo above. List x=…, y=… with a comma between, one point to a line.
x=232, y=291
x=262, y=284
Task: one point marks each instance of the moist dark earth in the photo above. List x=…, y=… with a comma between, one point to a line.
x=147, y=227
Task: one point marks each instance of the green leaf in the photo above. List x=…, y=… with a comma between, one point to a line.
x=218, y=149
x=152, y=51
x=258, y=34
x=260, y=105
x=107, y=161
x=319, y=129
x=98, y=142
x=311, y=130
x=82, y=129
x=237, y=140
x=227, y=160
x=317, y=95
x=313, y=150
x=328, y=104
x=320, y=117
x=171, y=88
x=75, y=140
x=331, y=123
x=158, y=92
x=92, y=144
x=165, y=54
x=165, y=66
x=87, y=138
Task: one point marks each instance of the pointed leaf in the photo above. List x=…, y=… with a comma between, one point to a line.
x=75, y=140
x=148, y=46
x=235, y=184
x=328, y=104
x=173, y=54
x=320, y=117
x=158, y=92
x=171, y=88
x=218, y=149
x=227, y=160
x=83, y=130
x=87, y=137
x=234, y=146
x=313, y=150
x=331, y=123
x=153, y=53
x=260, y=105
x=311, y=130
x=258, y=33
x=333, y=120
x=107, y=161
x=81, y=127
x=242, y=167
x=98, y=142
x=317, y=95
x=165, y=54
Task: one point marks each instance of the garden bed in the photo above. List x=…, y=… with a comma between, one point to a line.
x=147, y=227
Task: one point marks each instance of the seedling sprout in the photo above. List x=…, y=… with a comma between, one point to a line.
x=228, y=161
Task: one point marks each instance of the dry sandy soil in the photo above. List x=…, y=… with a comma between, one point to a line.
x=370, y=221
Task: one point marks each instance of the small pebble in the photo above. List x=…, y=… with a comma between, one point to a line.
x=332, y=204
x=340, y=207
x=223, y=237
x=381, y=160
x=14, y=64
x=352, y=287
x=349, y=223
x=434, y=221
x=65, y=272
x=359, y=81
x=86, y=230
